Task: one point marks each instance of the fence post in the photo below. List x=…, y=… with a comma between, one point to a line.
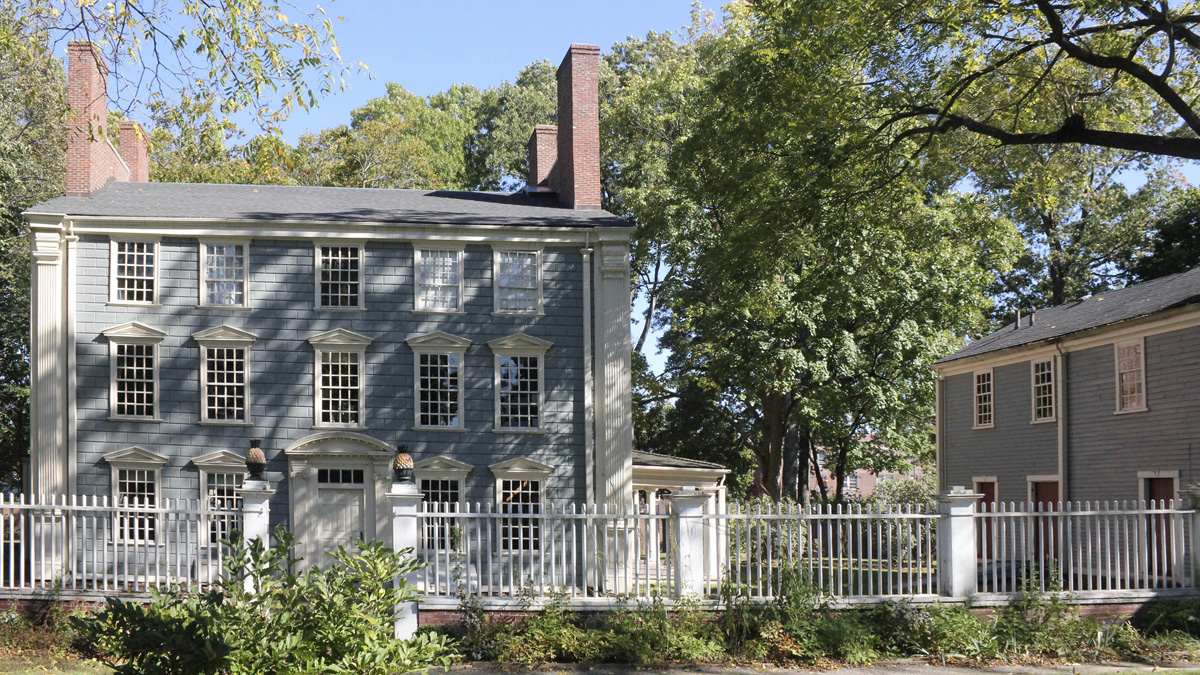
x=256, y=510
x=406, y=504
x=1192, y=494
x=688, y=507
x=958, y=568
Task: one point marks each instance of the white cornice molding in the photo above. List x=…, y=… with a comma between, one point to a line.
x=223, y=461
x=224, y=335
x=135, y=457
x=1162, y=322
x=339, y=337
x=520, y=467
x=336, y=230
x=438, y=340
x=442, y=464
x=520, y=342
x=134, y=331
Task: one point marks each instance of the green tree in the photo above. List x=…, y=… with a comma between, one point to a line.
x=246, y=55
x=501, y=120
x=990, y=66
x=1174, y=244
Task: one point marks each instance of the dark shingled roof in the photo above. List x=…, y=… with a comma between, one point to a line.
x=650, y=459
x=280, y=202
x=1103, y=309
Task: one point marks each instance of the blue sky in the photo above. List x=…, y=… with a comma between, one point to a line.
x=426, y=46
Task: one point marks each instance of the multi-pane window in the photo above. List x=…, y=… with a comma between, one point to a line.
x=134, y=380
x=441, y=495
x=1131, y=376
x=220, y=492
x=340, y=476
x=439, y=390
x=984, y=413
x=224, y=274
x=136, y=489
x=133, y=271
x=225, y=384
x=852, y=482
x=1043, y=390
x=523, y=498
x=439, y=280
x=339, y=276
x=340, y=388
x=519, y=392
x=517, y=286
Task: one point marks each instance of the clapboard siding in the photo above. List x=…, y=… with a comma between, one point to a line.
x=281, y=383
x=1011, y=450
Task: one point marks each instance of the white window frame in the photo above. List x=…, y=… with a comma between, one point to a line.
x=217, y=338
x=1033, y=388
x=340, y=341
x=434, y=344
x=418, y=278
x=522, y=469
x=203, y=272
x=133, y=333
x=1140, y=342
x=539, y=309
x=112, y=271
x=219, y=462
x=136, y=459
x=975, y=398
x=447, y=469
x=519, y=345
x=362, y=275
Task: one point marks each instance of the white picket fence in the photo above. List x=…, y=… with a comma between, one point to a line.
x=92, y=545
x=1084, y=547
x=592, y=555
x=602, y=551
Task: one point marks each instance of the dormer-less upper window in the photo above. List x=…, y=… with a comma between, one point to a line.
x=984, y=410
x=224, y=268
x=133, y=274
x=518, y=281
x=1131, y=376
x=339, y=277
x=439, y=280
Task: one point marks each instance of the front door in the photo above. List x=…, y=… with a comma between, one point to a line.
x=1159, y=527
x=1045, y=498
x=339, y=519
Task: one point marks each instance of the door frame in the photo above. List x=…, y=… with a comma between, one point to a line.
x=337, y=450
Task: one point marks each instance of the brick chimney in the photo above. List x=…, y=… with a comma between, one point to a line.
x=576, y=173
x=133, y=151
x=543, y=153
x=92, y=160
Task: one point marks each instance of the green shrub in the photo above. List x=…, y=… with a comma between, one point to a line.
x=649, y=633
x=320, y=621
x=957, y=631
x=1174, y=614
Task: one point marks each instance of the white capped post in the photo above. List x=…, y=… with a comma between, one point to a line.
x=1192, y=494
x=688, y=507
x=406, y=504
x=958, y=568
x=256, y=510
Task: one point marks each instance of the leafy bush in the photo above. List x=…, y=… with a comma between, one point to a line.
x=320, y=621
x=1174, y=614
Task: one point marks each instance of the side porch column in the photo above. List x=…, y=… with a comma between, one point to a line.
x=958, y=567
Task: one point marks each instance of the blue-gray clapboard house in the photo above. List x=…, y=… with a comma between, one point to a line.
x=486, y=332
x=1096, y=399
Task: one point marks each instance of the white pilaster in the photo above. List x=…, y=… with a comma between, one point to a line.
x=48, y=396
x=613, y=398
x=958, y=568
x=406, y=502
x=72, y=436
x=688, y=507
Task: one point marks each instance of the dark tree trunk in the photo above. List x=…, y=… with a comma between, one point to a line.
x=791, y=463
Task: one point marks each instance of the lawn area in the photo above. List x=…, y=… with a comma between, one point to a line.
x=18, y=664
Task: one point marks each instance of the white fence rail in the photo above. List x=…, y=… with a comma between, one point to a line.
x=594, y=551
x=93, y=545
x=1082, y=547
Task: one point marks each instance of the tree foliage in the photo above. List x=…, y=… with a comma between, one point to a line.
x=1174, y=241
x=1034, y=72
x=247, y=55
